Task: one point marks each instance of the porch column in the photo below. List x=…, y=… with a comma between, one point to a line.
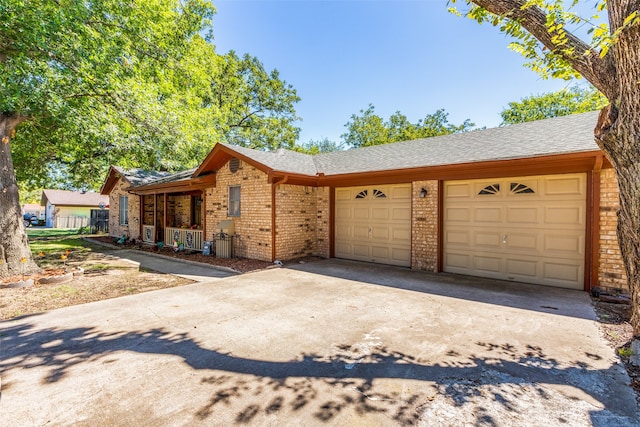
x=155, y=217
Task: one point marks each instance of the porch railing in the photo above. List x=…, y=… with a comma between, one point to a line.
x=191, y=239
x=148, y=233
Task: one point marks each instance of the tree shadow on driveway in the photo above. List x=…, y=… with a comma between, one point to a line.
x=347, y=378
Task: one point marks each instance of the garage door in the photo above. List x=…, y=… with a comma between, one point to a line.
x=373, y=224
x=527, y=229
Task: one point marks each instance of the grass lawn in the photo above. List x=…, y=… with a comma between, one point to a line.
x=52, y=247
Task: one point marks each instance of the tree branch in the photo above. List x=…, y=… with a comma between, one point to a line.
x=601, y=72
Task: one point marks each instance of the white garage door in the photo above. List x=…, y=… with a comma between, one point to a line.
x=527, y=229
x=373, y=224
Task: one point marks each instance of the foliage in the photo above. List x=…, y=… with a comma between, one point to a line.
x=553, y=104
x=369, y=129
x=324, y=145
x=136, y=84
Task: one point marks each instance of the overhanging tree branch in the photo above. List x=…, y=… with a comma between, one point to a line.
x=601, y=72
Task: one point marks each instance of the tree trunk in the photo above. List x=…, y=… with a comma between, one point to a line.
x=15, y=254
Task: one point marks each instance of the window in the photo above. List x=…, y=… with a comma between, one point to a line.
x=124, y=210
x=234, y=200
x=490, y=189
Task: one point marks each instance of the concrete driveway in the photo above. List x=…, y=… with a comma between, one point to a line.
x=324, y=343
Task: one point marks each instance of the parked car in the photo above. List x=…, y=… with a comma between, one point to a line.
x=30, y=220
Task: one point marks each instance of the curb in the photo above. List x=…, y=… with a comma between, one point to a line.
x=99, y=243
x=53, y=280
x=187, y=261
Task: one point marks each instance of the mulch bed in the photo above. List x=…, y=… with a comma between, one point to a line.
x=617, y=330
x=242, y=265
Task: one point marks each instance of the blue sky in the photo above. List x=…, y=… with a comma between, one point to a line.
x=411, y=56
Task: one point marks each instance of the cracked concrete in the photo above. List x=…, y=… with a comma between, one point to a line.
x=324, y=343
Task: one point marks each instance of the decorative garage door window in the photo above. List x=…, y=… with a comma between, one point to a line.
x=378, y=194
x=490, y=189
x=517, y=188
x=189, y=239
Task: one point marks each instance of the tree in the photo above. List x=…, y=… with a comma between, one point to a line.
x=547, y=34
x=324, y=145
x=81, y=77
x=553, y=104
x=370, y=129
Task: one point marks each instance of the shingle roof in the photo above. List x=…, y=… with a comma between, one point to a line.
x=141, y=177
x=168, y=177
x=281, y=160
x=560, y=135
x=73, y=198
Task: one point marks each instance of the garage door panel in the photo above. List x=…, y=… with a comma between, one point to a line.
x=565, y=186
x=360, y=232
x=558, y=215
x=522, y=268
x=400, y=255
x=564, y=272
x=379, y=252
x=343, y=194
x=458, y=260
x=380, y=232
x=401, y=234
x=523, y=215
x=380, y=214
x=362, y=251
x=491, y=215
x=571, y=245
x=529, y=229
x=522, y=241
x=462, y=214
x=360, y=213
x=401, y=214
x=486, y=239
x=344, y=213
x=457, y=238
x=343, y=230
x=487, y=263
x=401, y=192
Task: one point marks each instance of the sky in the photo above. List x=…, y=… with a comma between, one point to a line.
x=408, y=56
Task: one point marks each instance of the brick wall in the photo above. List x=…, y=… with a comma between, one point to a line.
x=323, y=213
x=181, y=210
x=115, y=229
x=296, y=221
x=253, y=226
x=424, y=219
x=611, y=271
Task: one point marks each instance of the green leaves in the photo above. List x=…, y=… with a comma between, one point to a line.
x=134, y=83
x=553, y=104
x=370, y=129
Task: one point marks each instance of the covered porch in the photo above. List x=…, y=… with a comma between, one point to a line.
x=172, y=213
x=173, y=219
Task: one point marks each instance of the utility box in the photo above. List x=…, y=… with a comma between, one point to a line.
x=224, y=239
x=226, y=227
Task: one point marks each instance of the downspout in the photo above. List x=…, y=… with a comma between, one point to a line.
x=273, y=215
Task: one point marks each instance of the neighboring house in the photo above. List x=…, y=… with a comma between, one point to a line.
x=33, y=209
x=71, y=209
x=534, y=202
